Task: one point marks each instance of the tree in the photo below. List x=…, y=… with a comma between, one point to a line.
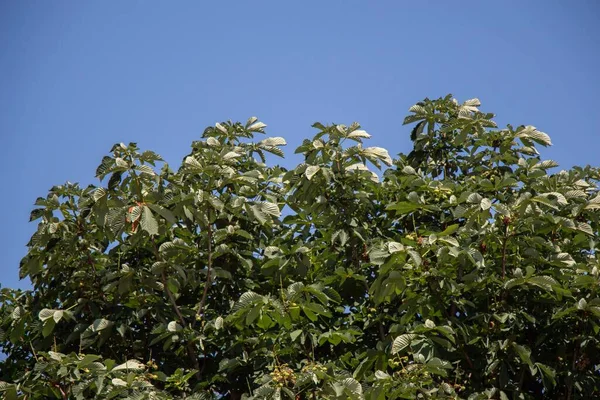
x=466, y=269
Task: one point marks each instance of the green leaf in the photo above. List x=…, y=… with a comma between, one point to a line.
x=130, y=365
x=378, y=153
x=221, y=127
x=145, y=169
x=449, y=230
x=381, y=375
x=294, y=335
x=394, y=247
x=213, y=142
x=58, y=314
x=358, y=134
x=163, y=212
x=543, y=281
x=148, y=222
x=230, y=155
x=311, y=170
x=309, y=313
x=88, y=359
x=173, y=326
x=272, y=141
x=269, y=208
x=546, y=201
x=403, y=341
x=253, y=314
x=378, y=256
x=353, y=387
x=100, y=324
x=17, y=313
x=530, y=132
x=485, y=204
x=256, y=211
x=247, y=299
x=115, y=180
x=524, y=353
x=257, y=127
x=48, y=327
x=192, y=163
x=416, y=257
x=341, y=235
x=449, y=240
x=593, y=203
x=548, y=375
x=585, y=228
x=403, y=207
x=46, y=314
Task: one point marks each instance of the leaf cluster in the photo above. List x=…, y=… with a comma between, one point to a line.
x=465, y=269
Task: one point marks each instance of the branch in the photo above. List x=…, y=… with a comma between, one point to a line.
x=62, y=392
x=172, y=299
x=208, y=270
x=521, y=379
x=137, y=179
x=461, y=346
x=190, y=348
x=574, y=362
x=33, y=351
x=379, y=323
x=570, y=385
x=504, y=244
x=164, y=282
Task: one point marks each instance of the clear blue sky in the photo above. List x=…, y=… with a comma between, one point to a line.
x=78, y=76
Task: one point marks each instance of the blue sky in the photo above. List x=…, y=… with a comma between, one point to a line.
x=78, y=76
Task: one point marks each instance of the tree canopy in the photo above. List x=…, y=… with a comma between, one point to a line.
x=464, y=269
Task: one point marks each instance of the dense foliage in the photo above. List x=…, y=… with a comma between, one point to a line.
x=465, y=269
